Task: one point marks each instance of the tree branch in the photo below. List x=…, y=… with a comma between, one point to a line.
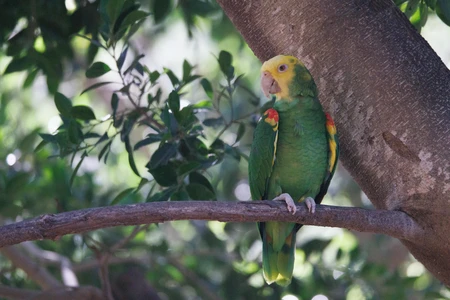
x=52, y=226
x=35, y=272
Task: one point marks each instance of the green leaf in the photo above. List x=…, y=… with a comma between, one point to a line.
x=95, y=85
x=150, y=139
x=97, y=69
x=187, y=68
x=143, y=182
x=198, y=191
x=134, y=17
x=203, y=104
x=122, y=195
x=74, y=132
x=162, y=155
x=173, y=79
x=164, y=175
x=114, y=102
x=82, y=112
x=188, y=167
x=18, y=64
x=196, y=177
x=75, y=171
x=207, y=87
x=174, y=101
x=122, y=57
x=161, y=9
x=163, y=195
x=411, y=7
x=213, y=122
x=63, y=105
x=154, y=76
x=179, y=195
x=443, y=10
x=105, y=149
x=240, y=132
x=30, y=78
x=130, y=155
x=134, y=64
x=225, y=61
x=49, y=138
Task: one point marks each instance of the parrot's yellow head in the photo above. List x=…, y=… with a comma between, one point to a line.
x=286, y=77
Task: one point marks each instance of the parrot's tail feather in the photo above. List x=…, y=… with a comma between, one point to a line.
x=278, y=265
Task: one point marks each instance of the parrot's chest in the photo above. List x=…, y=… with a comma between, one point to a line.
x=301, y=155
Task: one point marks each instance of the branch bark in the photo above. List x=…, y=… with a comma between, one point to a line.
x=393, y=223
x=387, y=91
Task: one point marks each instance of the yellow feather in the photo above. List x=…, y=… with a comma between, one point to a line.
x=282, y=78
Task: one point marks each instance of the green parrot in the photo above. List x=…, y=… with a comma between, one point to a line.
x=293, y=157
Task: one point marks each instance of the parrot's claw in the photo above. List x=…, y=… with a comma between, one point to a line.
x=310, y=204
x=289, y=202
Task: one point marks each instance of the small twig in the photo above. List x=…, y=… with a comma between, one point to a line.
x=67, y=274
x=132, y=235
x=35, y=272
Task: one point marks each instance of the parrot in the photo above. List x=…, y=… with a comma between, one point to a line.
x=292, y=158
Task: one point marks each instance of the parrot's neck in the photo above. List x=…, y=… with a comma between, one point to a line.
x=301, y=103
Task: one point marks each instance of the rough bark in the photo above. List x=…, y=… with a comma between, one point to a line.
x=393, y=223
x=388, y=92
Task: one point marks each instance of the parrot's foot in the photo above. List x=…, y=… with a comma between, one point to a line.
x=310, y=204
x=289, y=202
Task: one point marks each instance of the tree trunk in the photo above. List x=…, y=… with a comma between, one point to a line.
x=387, y=91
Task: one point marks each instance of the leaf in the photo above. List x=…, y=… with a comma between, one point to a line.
x=134, y=63
x=130, y=155
x=134, y=17
x=162, y=155
x=213, y=122
x=114, y=102
x=225, y=60
x=174, y=101
x=122, y=57
x=187, y=68
x=150, y=139
x=203, y=104
x=161, y=9
x=143, y=182
x=154, y=76
x=74, y=132
x=207, y=87
x=30, y=78
x=75, y=171
x=95, y=85
x=163, y=195
x=188, y=167
x=49, y=138
x=443, y=11
x=63, y=105
x=18, y=64
x=198, y=191
x=105, y=148
x=196, y=177
x=82, y=112
x=122, y=195
x=164, y=175
x=240, y=132
x=411, y=7
x=97, y=69
x=103, y=138
x=173, y=79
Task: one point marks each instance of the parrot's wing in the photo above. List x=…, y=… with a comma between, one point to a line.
x=333, y=155
x=262, y=154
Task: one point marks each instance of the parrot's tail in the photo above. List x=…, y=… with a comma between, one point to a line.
x=278, y=265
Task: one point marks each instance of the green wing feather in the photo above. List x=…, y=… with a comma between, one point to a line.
x=333, y=155
x=262, y=154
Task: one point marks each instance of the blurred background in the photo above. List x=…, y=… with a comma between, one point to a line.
x=52, y=160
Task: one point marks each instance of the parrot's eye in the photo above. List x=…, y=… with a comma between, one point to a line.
x=282, y=68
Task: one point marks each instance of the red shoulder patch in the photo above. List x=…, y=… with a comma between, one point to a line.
x=272, y=115
x=330, y=121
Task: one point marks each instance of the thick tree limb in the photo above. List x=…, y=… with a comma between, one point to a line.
x=394, y=223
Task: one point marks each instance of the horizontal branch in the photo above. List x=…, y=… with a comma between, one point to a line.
x=52, y=226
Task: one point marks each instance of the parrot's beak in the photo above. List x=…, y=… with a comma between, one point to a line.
x=269, y=85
